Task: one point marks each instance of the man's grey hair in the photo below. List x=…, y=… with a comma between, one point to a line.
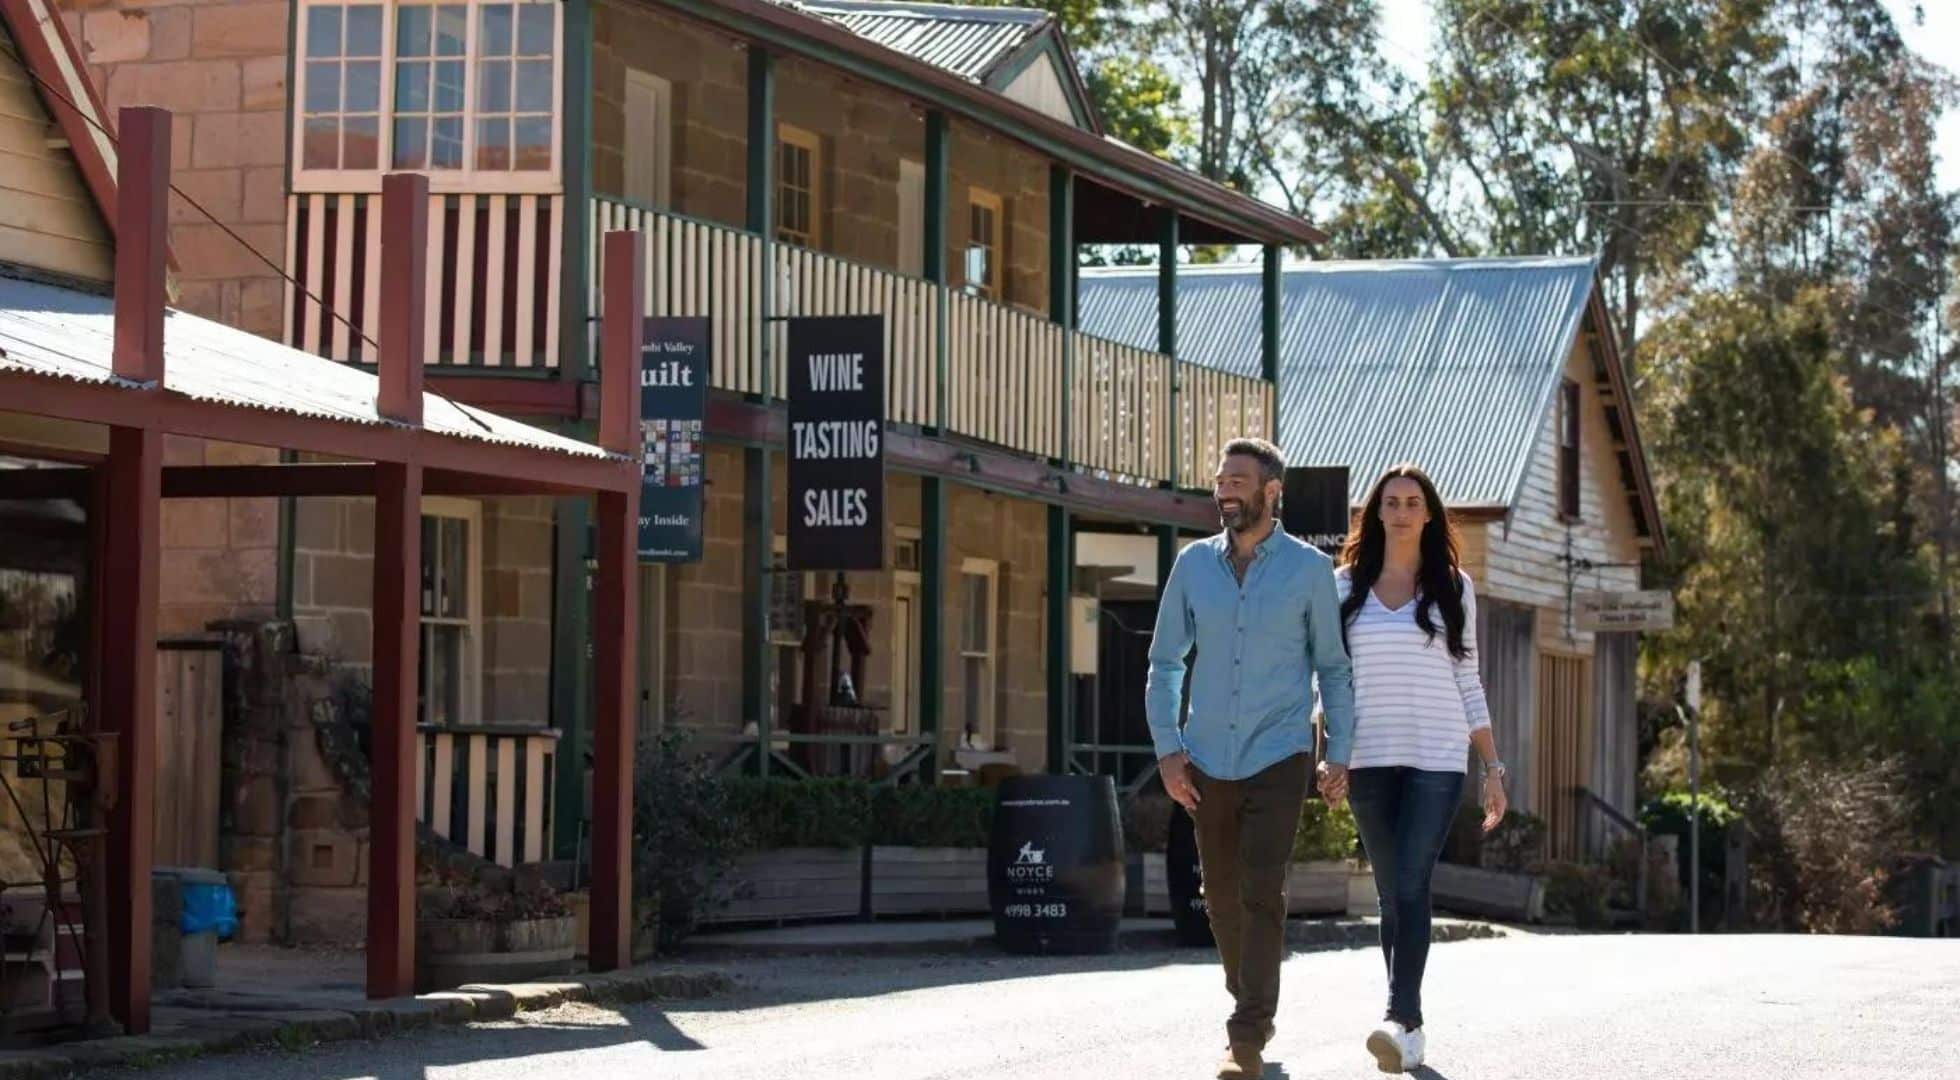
x=1272, y=463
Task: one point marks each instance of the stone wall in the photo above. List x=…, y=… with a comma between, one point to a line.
x=710, y=80
x=333, y=596
x=221, y=69
x=983, y=159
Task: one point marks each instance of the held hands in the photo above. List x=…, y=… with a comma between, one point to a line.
x=1495, y=801
x=1175, y=771
x=1333, y=783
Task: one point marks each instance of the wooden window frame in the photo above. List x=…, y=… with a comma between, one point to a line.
x=994, y=287
x=662, y=141
x=1569, y=442
x=789, y=135
x=467, y=180
x=988, y=732
x=470, y=512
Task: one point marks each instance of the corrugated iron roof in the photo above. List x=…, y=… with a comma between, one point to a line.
x=1450, y=363
x=967, y=41
x=70, y=334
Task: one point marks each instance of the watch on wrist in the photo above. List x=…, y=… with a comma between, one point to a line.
x=1495, y=768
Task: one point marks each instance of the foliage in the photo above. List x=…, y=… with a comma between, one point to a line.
x=1517, y=845
x=785, y=813
x=1666, y=904
x=1147, y=822
x=1822, y=837
x=1578, y=891
x=923, y=815
x=453, y=883
x=684, y=833
x=1325, y=833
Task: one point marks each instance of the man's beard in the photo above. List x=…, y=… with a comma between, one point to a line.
x=1249, y=514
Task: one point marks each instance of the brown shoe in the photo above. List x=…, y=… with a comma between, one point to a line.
x=1241, y=1062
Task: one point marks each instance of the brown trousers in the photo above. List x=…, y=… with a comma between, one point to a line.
x=1245, y=839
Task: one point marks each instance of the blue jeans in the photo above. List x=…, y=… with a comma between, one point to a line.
x=1404, y=816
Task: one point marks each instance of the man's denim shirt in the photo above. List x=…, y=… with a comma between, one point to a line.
x=1259, y=648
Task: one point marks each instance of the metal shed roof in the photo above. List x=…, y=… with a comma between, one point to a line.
x=967, y=41
x=69, y=333
x=1450, y=363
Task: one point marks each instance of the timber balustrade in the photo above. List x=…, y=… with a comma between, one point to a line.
x=488, y=788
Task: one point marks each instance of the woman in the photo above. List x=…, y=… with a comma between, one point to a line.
x=1409, y=617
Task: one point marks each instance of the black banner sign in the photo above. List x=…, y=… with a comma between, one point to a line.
x=836, y=443
x=673, y=400
x=1314, y=506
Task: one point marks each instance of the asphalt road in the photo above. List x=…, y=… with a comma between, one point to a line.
x=1556, y=1006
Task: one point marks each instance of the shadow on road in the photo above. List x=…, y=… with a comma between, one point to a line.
x=1427, y=1073
x=1275, y=1071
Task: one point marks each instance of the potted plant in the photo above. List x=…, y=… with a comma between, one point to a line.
x=1496, y=875
x=1317, y=880
x=477, y=922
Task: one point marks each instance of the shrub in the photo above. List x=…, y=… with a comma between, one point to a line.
x=1822, y=836
x=1516, y=846
x=786, y=813
x=1670, y=814
x=1323, y=832
x=1666, y=904
x=1578, y=891
x=1147, y=823
x=918, y=815
x=684, y=834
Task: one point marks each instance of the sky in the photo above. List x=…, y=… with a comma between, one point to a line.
x=1405, y=28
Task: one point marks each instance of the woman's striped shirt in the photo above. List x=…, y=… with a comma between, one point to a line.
x=1414, y=704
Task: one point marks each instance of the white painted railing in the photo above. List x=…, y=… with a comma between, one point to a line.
x=1215, y=407
x=493, y=278
x=488, y=789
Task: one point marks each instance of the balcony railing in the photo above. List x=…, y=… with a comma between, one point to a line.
x=1004, y=366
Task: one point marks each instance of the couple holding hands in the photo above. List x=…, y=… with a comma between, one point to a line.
x=1388, y=641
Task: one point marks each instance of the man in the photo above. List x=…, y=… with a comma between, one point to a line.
x=1261, y=609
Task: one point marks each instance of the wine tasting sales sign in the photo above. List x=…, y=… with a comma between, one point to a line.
x=836, y=443
x=673, y=400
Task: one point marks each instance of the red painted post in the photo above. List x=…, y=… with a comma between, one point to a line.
x=128, y=573
x=615, y=614
x=142, y=213
x=397, y=609
x=404, y=265
x=391, y=810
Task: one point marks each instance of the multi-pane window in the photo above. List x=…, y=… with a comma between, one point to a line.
x=513, y=86
x=340, y=127
x=1568, y=450
x=431, y=43
x=799, y=187
x=984, y=247
x=979, y=579
x=449, y=612
x=465, y=89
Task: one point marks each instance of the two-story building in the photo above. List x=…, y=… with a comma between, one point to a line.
x=939, y=166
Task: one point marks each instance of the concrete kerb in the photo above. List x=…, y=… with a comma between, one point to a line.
x=300, y=1028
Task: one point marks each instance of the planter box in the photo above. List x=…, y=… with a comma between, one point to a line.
x=1362, y=898
x=1470, y=890
x=1317, y=888
x=928, y=881
x=455, y=952
x=794, y=883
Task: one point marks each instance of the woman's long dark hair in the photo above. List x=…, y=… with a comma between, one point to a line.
x=1438, y=582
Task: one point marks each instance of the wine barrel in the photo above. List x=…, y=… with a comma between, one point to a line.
x=1186, y=882
x=1055, y=869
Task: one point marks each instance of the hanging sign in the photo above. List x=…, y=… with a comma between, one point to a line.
x=1624, y=611
x=673, y=400
x=836, y=443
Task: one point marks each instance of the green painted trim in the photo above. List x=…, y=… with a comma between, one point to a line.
x=288, y=548
x=762, y=143
x=1061, y=287
x=932, y=615
x=1167, y=331
x=1269, y=298
x=574, y=273
x=938, y=163
x=758, y=532
x=932, y=96
x=1166, y=555
x=571, y=669
x=1061, y=712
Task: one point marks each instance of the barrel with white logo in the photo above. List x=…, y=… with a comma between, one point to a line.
x=1186, y=882
x=1055, y=870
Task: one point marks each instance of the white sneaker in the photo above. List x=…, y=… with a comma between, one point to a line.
x=1396, y=1048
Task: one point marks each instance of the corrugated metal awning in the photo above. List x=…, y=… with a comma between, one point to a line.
x=69, y=333
x=966, y=41
x=1450, y=363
